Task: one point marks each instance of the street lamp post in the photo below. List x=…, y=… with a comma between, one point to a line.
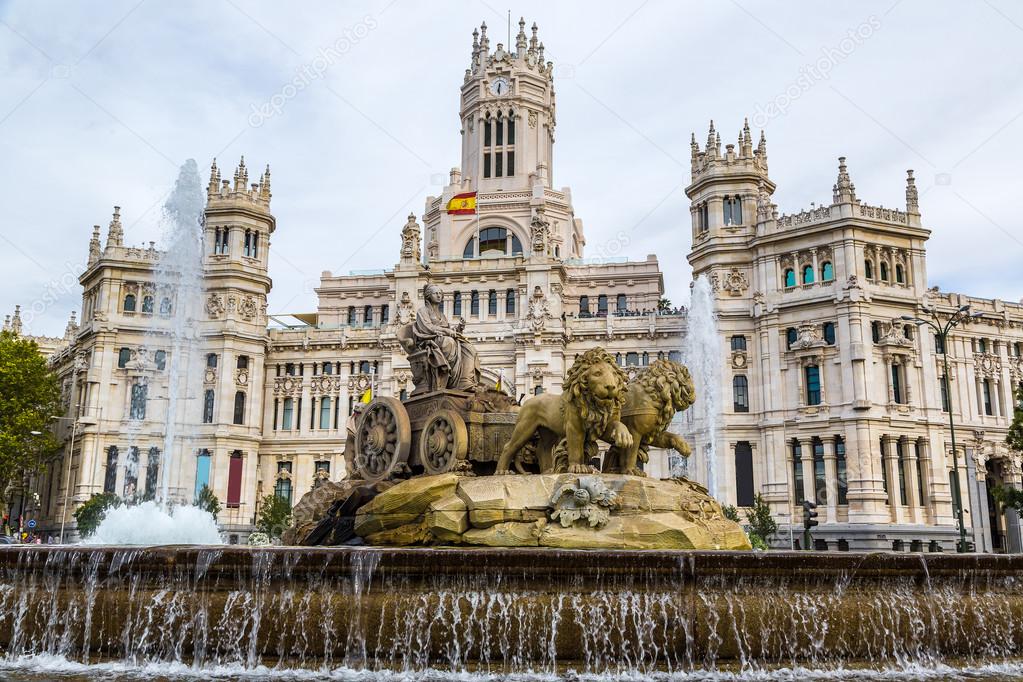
x=942, y=330
x=67, y=478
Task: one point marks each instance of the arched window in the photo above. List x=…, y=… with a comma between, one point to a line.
x=129, y=303
x=820, y=480
x=492, y=302
x=207, y=407
x=147, y=304
x=247, y=248
x=493, y=240
x=242, y=362
x=797, y=472
x=110, y=477
x=884, y=271
x=900, y=274
x=152, y=472
x=827, y=272
x=732, y=210
x=239, y=407
x=840, y=471
x=812, y=374
x=385, y=314
x=474, y=304
x=791, y=335
x=364, y=367
x=509, y=302
x=202, y=470
x=289, y=413
x=740, y=393
x=139, y=394
x=470, y=249
x=457, y=304
x=790, y=277
x=621, y=305
x=584, y=306
x=829, y=333
x=165, y=306
x=325, y=412
x=516, y=244
x=367, y=316
x=602, y=305
x=632, y=359
x=123, y=357
x=744, y=474
x=538, y=390
x=351, y=315
x=808, y=274
x=131, y=473
x=875, y=331
x=868, y=269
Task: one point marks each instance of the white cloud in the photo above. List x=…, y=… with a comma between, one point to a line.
x=101, y=102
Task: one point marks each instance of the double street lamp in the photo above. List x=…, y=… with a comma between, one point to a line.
x=942, y=329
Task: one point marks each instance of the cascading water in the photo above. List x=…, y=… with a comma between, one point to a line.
x=400, y=614
x=702, y=355
x=178, y=285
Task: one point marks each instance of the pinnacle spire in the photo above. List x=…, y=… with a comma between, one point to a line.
x=912, y=196
x=844, y=190
x=264, y=184
x=520, y=39
x=214, y=184
x=115, y=233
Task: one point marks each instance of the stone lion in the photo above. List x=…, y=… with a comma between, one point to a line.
x=651, y=401
x=588, y=409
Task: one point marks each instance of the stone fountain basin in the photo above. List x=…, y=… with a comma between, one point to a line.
x=507, y=609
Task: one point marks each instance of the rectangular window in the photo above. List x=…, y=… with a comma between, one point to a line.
x=939, y=344
x=322, y=465
x=276, y=412
x=819, y=477
x=207, y=407
x=510, y=169
x=896, y=384
x=202, y=470
x=920, y=471
x=797, y=472
x=840, y=470
x=324, y=413
x=986, y=389
x=884, y=471
x=289, y=410
x=234, y=480
x=474, y=305
x=740, y=393
x=500, y=131
x=900, y=455
x=457, y=305
x=139, y=393
x=492, y=303
x=497, y=164
x=813, y=385
x=738, y=343
x=486, y=165
x=943, y=381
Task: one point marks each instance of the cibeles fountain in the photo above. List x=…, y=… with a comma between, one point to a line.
x=479, y=538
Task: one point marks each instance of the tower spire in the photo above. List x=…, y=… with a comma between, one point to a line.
x=94, y=245
x=520, y=39
x=214, y=185
x=912, y=197
x=264, y=185
x=241, y=176
x=115, y=233
x=844, y=190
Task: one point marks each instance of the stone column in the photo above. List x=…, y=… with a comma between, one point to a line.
x=911, y=473
x=891, y=464
x=806, y=456
x=831, y=477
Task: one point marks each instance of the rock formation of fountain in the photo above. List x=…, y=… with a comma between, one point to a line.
x=703, y=356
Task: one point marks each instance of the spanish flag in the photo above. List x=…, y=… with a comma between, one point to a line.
x=367, y=397
x=462, y=204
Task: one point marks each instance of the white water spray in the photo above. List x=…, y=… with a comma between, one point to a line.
x=702, y=355
x=178, y=285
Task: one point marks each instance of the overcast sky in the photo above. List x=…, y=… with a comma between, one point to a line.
x=101, y=102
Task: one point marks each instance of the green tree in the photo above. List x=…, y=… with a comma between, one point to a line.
x=274, y=516
x=29, y=397
x=207, y=501
x=664, y=305
x=1009, y=496
x=762, y=526
x=730, y=512
x=91, y=514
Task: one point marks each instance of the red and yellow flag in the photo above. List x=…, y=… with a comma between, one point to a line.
x=461, y=204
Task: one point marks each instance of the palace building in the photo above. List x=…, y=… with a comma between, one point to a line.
x=833, y=396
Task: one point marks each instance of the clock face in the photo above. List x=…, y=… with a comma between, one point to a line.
x=500, y=86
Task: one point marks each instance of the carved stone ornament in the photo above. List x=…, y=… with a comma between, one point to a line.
x=532, y=119
x=406, y=312
x=214, y=305
x=895, y=334
x=539, y=232
x=809, y=337
x=987, y=365
x=410, y=241
x=248, y=309
x=587, y=500
x=735, y=282
x=539, y=311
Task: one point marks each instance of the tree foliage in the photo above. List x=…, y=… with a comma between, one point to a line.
x=730, y=512
x=91, y=514
x=29, y=396
x=274, y=516
x=207, y=501
x=1009, y=496
x=664, y=305
x=762, y=525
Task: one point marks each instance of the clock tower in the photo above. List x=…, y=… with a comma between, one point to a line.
x=507, y=113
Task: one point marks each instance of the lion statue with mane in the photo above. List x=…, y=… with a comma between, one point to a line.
x=588, y=409
x=651, y=401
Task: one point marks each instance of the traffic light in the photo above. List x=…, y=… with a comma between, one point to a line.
x=809, y=515
x=809, y=521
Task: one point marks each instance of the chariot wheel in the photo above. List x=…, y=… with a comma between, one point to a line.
x=443, y=442
x=382, y=440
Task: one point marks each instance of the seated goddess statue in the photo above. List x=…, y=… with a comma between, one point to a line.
x=441, y=357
